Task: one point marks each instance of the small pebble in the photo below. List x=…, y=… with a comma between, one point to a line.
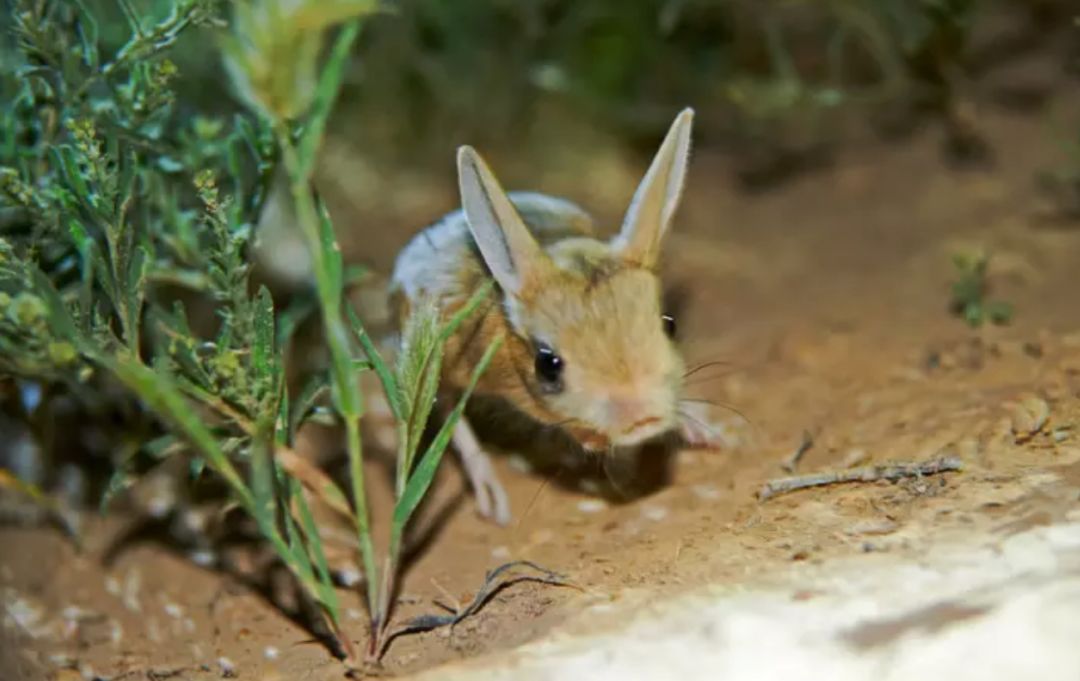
x=654, y=513
x=500, y=552
x=31, y=395
x=354, y=614
x=854, y=458
x=61, y=660
x=1028, y=416
x=883, y=526
x=588, y=486
x=24, y=614
x=173, y=610
x=271, y=653
x=228, y=669
x=349, y=577
x=132, y=583
x=707, y=492
x=203, y=557
x=541, y=536
x=591, y=505
x=519, y=463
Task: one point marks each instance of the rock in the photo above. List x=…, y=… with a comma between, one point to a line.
x=1028, y=416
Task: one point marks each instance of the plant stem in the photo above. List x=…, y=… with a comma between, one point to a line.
x=326, y=93
x=346, y=390
x=356, y=474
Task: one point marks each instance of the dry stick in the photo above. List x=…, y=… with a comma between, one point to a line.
x=891, y=472
x=792, y=461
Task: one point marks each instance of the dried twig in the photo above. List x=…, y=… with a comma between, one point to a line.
x=792, y=462
x=891, y=472
x=496, y=580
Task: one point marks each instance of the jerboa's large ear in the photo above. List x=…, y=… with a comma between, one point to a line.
x=509, y=249
x=657, y=197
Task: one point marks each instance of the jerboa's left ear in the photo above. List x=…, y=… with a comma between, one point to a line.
x=510, y=251
x=657, y=197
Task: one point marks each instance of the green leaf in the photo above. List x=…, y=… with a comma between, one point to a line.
x=326, y=592
x=64, y=158
x=296, y=556
x=91, y=263
x=180, y=345
x=419, y=353
x=160, y=447
x=60, y=320
x=331, y=252
x=129, y=164
x=326, y=92
x=419, y=366
x=282, y=436
x=120, y=480
x=315, y=388
x=88, y=34
x=134, y=22
x=135, y=290
x=382, y=370
x=319, y=15
x=973, y=314
x=263, y=351
x=421, y=478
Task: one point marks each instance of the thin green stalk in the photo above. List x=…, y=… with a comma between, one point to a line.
x=356, y=475
x=419, y=481
x=326, y=93
x=346, y=390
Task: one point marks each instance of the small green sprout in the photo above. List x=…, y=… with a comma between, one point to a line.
x=970, y=292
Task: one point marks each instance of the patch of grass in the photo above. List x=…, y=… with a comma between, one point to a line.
x=970, y=292
x=115, y=209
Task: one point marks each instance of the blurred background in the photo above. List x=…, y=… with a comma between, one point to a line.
x=572, y=96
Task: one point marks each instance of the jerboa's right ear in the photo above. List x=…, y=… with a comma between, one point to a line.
x=657, y=196
x=509, y=249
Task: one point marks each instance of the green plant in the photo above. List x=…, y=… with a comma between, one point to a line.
x=114, y=209
x=970, y=291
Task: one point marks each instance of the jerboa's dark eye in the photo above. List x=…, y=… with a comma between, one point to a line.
x=669, y=324
x=549, y=365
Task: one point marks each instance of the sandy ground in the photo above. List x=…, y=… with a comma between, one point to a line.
x=828, y=299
